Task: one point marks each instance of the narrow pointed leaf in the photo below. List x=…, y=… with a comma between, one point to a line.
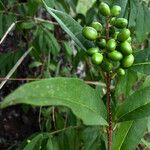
x=71, y=92
x=128, y=135
x=135, y=106
x=70, y=26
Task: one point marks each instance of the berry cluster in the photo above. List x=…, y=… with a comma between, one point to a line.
x=113, y=51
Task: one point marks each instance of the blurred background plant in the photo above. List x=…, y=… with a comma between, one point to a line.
x=55, y=54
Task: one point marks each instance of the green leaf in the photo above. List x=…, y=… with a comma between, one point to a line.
x=135, y=106
x=52, y=42
x=147, y=144
x=70, y=92
x=27, y=25
x=70, y=26
x=68, y=48
x=142, y=61
x=128, y=134
x=69, y=139
x=125, y=83
x=51, y=144
x=91, y=137
x=142, y=23
x=33, y=143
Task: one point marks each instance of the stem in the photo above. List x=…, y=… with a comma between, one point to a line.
x=108, y=84
x=109, y=129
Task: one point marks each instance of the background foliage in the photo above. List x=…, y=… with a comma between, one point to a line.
x=53, y=32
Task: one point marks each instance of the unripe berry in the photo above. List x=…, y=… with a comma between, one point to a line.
x=115, y=35
x=102, y=43
x=97, y=58
x=107, y=66
x=112, y=21
x=104, y=9
x=121, y=23
x=127, y=61
x=126, y=48
x=111, y=45
x=93, y=50
x=97, y=26
x=115, y=55
x=89, y=33
x=123, y=35
x=121, y=72
x=115, y=10
x=129, y=40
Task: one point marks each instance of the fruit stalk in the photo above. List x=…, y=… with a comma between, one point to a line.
x=109, y=129
x=108, y=82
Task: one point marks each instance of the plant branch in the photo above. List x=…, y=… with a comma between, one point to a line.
x=8, y=31
x=108, y=83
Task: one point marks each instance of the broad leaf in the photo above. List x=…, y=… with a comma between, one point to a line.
x=32, y=145
x=142, y=23
x=142, y=61
x=125, y=83
x=70, y=92
x=135, y=106
x=128, y=135
x=70, y=26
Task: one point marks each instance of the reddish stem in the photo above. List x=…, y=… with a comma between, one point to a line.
x=109, y=129
x=108, y=82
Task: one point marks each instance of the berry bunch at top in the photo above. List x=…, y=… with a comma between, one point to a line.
x=113, y=50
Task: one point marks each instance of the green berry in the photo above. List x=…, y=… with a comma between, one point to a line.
x=107, y=66
x=123, y=35
x=115, y=35
x=115, y=11
x=127, y=61
x=111, y=45
x=102, y=43
x=93, y=50
x=104, y=9
x=89, y=33
x=115, y=55
x=121, y=72
x=129, y=40
x=126, y=48
x=112, y=20
x=97, y=26
x=97, y=58
x=121, y=23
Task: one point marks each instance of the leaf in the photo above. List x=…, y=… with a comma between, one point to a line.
x=142, y=23
x=32, y=144
x=51, y=144
x=91, y=138
x=27, y=25
x=69, y=139
x=70, y=26
x=142, y=61
x=125, y=83
x=135, y=106
x=148, y=124
x=128, y=135
x=68, y=48
x=147, y=144
x=70, y=92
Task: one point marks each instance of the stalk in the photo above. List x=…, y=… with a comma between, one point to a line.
x=108, y=83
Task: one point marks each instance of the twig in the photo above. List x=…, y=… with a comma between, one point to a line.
x=71, y=127
x=108, y=83
x=7, y=32
x=15, y=67
x=29, y=17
